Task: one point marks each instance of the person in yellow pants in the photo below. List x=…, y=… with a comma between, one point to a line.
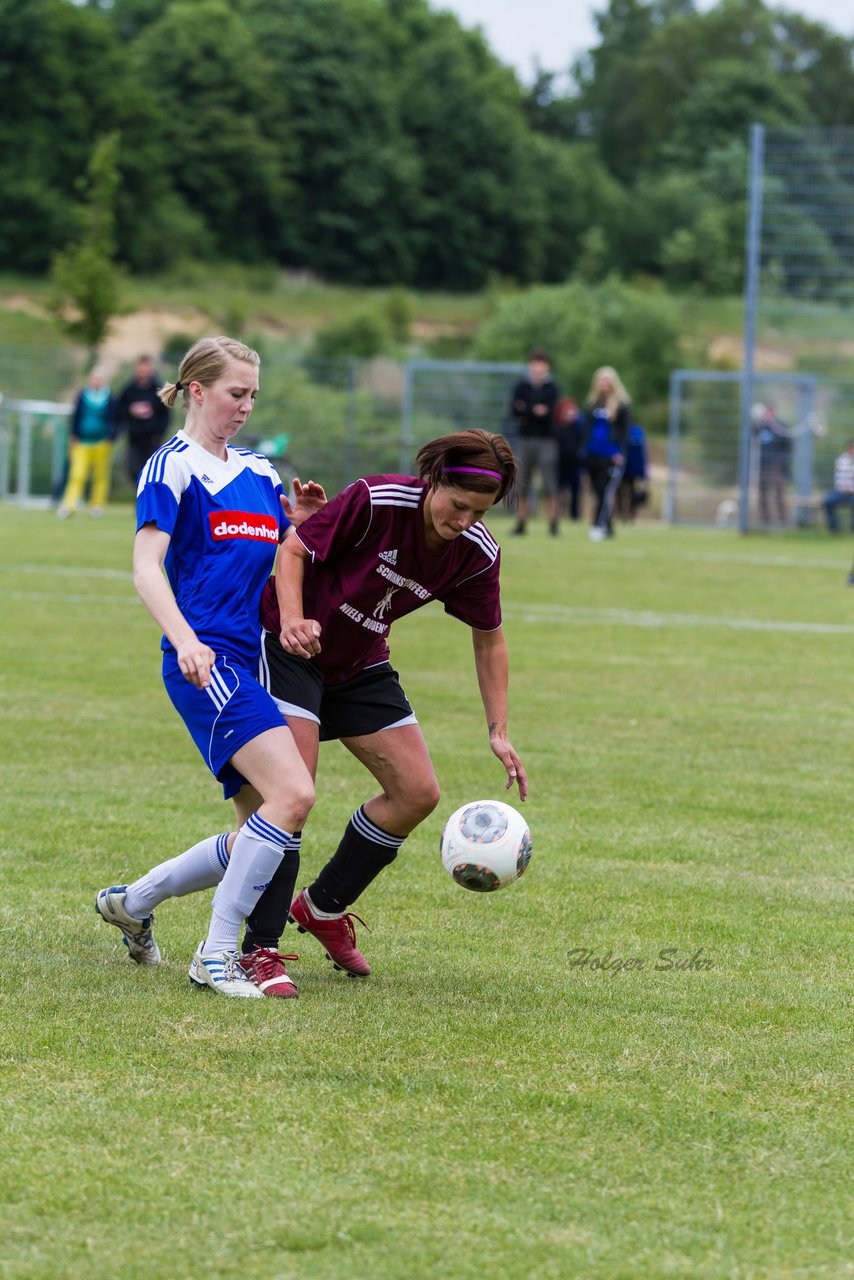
x=92, y=435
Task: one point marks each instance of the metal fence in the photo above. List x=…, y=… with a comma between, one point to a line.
x=442, y=396
x=704, y=472
x=33, y=448
x=330, y=420
x=799, y=283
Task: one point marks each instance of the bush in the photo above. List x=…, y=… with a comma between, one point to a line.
x=399, y=312
x=364, y=337
x=586, y=326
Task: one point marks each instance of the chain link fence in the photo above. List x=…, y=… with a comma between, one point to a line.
x=799, y=294
x=329, y=420
x=787, y=475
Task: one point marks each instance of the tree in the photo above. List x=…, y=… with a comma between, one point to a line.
x=480, y=209
x=86, y=281
x=356, y=202
x=223, y=125
x=58, y=71
x=586, y=327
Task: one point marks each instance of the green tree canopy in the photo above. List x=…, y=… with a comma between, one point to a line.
x=379, y=141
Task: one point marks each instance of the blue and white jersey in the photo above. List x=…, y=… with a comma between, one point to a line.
x=225, y=521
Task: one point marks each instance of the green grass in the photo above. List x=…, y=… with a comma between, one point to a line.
x=479, y=1107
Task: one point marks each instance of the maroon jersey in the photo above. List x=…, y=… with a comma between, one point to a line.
x=370, y=564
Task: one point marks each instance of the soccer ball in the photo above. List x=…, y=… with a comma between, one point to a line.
x=485, y=845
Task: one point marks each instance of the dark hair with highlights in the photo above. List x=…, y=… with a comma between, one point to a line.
x=476, y=448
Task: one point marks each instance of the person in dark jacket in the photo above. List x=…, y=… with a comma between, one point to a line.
x=533, y=407
x=569, y=433
x=143, y=415
x=775, y=455
x=608, y=420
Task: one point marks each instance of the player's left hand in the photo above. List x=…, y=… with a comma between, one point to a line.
x=308, y=498
x=503, y=748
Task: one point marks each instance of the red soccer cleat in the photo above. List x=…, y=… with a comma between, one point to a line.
x=337, y=936
x=266, y=970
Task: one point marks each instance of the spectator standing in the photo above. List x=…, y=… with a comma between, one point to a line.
x=143, y=415
x=606, y=444
x=92, y=435
x=775, y=450
x=842, y=493
x=533, y=408
x=569, y=432
x=632, y=492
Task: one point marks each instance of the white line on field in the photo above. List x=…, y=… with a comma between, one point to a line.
x=715, y=557
x=67, y=571
x=543, y=613
x=540, y=614
x=56, y=598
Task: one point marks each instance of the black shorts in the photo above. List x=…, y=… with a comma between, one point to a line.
x=366, y=703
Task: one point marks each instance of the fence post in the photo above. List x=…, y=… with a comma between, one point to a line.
x=669, y=512
x=352, y=415
x=406, y=417
x=59, y=450
x=751, y=297
x=804, y=454
x=25, y=424
x=4, y=452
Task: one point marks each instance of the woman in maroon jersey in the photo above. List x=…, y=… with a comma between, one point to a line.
x=382, y=548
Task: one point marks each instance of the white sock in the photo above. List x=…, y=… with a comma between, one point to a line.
x=256, y=853
x=198, y=868
x=317, y=913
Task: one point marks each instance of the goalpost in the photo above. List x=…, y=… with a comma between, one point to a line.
x=33, y=449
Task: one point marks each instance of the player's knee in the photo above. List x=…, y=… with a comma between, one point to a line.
x=302, y=802
x=293, y=805
x=424, y=797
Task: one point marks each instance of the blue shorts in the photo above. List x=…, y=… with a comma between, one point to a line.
x=221, y=719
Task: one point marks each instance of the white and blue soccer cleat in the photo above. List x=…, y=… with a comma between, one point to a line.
x=138, y=938
x=221, y=972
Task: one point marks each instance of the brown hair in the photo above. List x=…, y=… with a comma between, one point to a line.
x=539, y=353
x=206, y=362
x=477, y=449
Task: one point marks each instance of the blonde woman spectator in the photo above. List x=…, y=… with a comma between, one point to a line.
x=608, y=418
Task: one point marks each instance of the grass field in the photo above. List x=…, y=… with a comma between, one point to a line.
x=482, y=1106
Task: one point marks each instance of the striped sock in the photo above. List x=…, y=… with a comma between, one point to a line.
x=363, y=852
x=200, y=867
x=258, y=850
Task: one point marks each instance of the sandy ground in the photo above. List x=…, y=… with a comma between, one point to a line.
x=130, y=336
x=143, y=333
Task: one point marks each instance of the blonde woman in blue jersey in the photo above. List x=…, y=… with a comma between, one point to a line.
x=213, y=516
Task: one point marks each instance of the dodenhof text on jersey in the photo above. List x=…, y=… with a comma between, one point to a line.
x=243, y=524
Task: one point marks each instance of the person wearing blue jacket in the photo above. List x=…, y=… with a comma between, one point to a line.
x=607, y=422
x=633, y=487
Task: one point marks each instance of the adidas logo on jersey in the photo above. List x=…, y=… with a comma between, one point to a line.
x=243, y=524
x=390, y=557
x=206, y=479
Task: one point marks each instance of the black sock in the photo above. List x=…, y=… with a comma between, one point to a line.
x=363, y=852
x=267, y=923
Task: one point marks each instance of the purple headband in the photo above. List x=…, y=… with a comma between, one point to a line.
x=477, y=471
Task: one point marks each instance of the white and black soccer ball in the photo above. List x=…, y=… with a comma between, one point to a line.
x=485, y=845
